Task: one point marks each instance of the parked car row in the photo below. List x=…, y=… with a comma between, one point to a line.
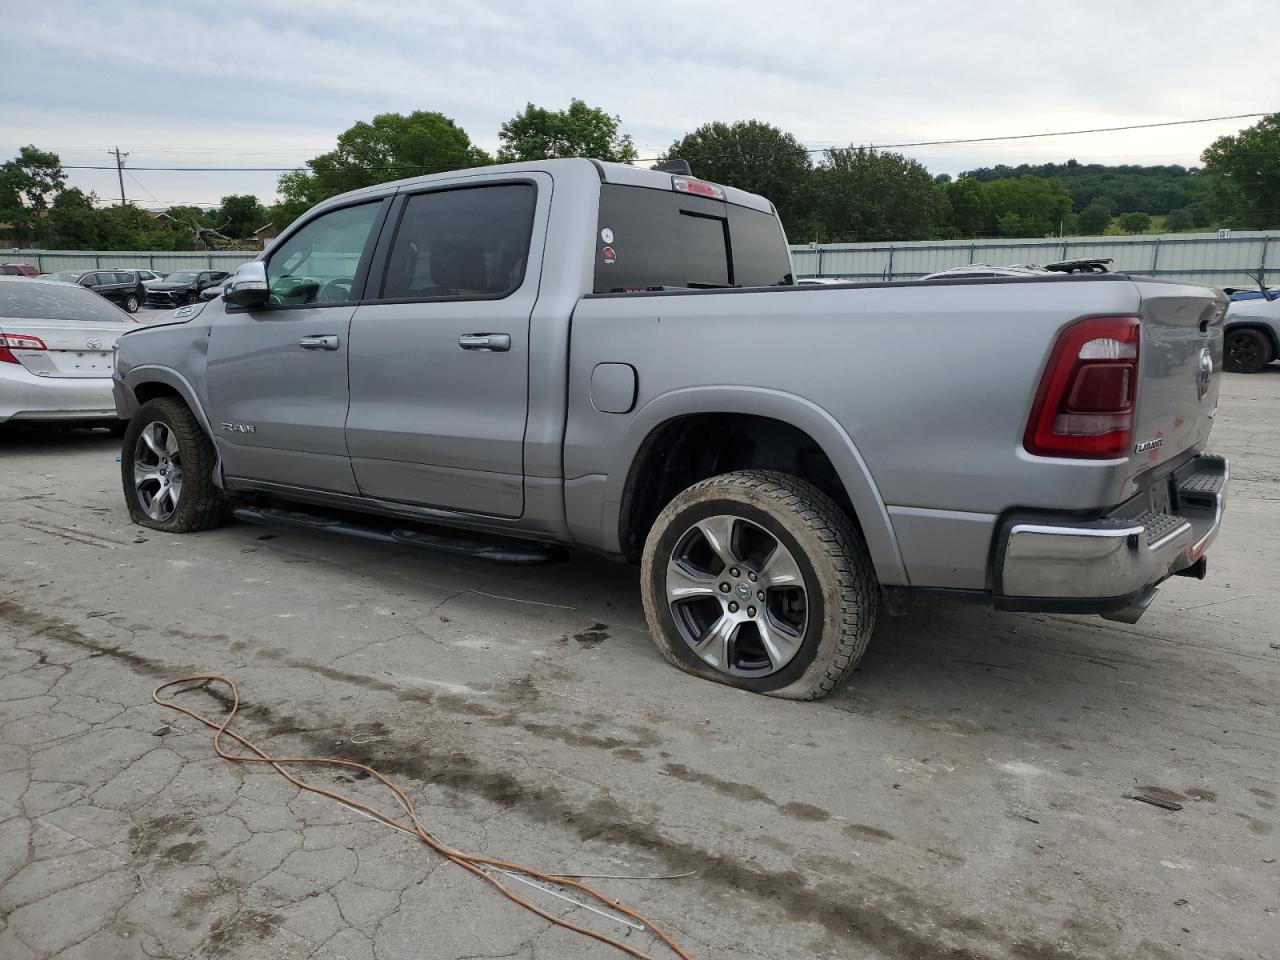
x=132, y=287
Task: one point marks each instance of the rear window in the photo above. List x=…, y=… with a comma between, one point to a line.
x=33, y=300
x=650, y=239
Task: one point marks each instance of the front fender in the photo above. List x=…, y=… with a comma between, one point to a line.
x=825, y=431
x=127, y=386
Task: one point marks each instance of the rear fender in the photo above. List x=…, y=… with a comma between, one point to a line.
x=789, y=408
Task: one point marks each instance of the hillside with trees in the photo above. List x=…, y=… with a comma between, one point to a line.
x=841, y=194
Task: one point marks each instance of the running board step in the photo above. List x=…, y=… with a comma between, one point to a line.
x=505, y=550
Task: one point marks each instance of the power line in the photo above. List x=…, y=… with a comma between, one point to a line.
x=1062, y=133
x=878, y=146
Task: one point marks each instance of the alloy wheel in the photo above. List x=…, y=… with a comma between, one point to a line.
x=737, y=596
x=157, y=471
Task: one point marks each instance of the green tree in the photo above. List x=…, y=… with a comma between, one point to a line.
x=240, y=215
x=969, y=208
x=858, y=193
x=1178, y=220
x=390, y=147
x=1030, y=207
x=752, y=156
x=73, y=222
x=1247, y=168
x=1135, y=221
x=1094, y=219
x=29, y=184
x=537, y=133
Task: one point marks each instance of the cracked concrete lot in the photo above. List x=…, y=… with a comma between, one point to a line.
x=963, y=798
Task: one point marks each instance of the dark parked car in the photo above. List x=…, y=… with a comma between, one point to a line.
x=182, y=287
x=18, y=270
x=119, y=286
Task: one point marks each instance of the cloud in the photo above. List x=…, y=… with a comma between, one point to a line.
x=273, y=83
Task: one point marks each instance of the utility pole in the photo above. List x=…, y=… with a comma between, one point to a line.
x=120, y=158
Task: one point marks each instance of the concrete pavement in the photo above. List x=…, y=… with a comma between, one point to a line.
x=963, y=797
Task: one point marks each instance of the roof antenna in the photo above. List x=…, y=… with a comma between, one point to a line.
x=678, y=167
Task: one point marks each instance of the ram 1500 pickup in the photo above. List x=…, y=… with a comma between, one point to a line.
x=591, y=355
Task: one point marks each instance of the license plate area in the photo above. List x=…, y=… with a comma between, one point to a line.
x=82, y=362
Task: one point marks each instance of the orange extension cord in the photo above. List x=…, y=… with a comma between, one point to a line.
x=467, y=861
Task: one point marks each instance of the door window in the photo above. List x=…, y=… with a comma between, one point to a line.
x=318, y=264
x=470, y=243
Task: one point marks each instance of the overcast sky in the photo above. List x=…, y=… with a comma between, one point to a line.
x=272, y=83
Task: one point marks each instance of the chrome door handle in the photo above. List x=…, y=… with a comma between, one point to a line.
x=492, y=342
x=326, y=342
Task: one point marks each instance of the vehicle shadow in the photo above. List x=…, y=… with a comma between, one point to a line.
x=33, y=438
x=1048, y=682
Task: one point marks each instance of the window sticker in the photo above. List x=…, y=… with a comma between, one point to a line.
x=609, y=255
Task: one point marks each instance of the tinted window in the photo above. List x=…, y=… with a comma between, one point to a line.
x=760, y=255
x=472, y=242
x=126, y=277
x=318, y=264
x=649, y=239
x=27, y=300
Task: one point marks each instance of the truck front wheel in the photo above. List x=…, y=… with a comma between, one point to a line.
x=166, y=466
x=758, y=580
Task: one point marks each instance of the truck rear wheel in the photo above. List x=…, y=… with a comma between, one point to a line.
x=756, y=579
x=166, y=468
x=1246, y=351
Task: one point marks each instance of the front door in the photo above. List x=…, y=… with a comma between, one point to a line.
x=277, y=374
x=440, y=358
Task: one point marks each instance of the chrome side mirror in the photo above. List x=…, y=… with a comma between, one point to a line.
x=249, y=287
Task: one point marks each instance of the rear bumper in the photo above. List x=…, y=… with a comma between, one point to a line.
x=24, y=396
x=1112, y=564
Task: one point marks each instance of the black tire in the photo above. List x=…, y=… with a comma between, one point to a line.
x=118, y=428
x=841, y=590
x=191, y=298
x=200, y=505
x=1246, y=351
x=132, y=303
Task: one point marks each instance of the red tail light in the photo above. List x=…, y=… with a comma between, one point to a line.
x=17, y=341
x=1084, y=407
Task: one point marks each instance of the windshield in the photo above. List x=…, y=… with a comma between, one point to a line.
x=184, y=276
x=66, y=276
x=51, y=301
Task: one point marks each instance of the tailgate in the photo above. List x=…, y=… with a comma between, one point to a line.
x=73, y=348
x=1179, y=365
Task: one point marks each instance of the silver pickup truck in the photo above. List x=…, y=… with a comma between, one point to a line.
x=576, y=354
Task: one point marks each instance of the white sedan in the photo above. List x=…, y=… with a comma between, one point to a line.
x=56, y=346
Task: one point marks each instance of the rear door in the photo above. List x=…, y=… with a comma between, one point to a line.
x=63, y=331
x=440, y=362
x=277, y=374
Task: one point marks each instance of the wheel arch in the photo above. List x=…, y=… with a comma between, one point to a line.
x=147, y=382
x=773, y=422
x=1262, y=326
